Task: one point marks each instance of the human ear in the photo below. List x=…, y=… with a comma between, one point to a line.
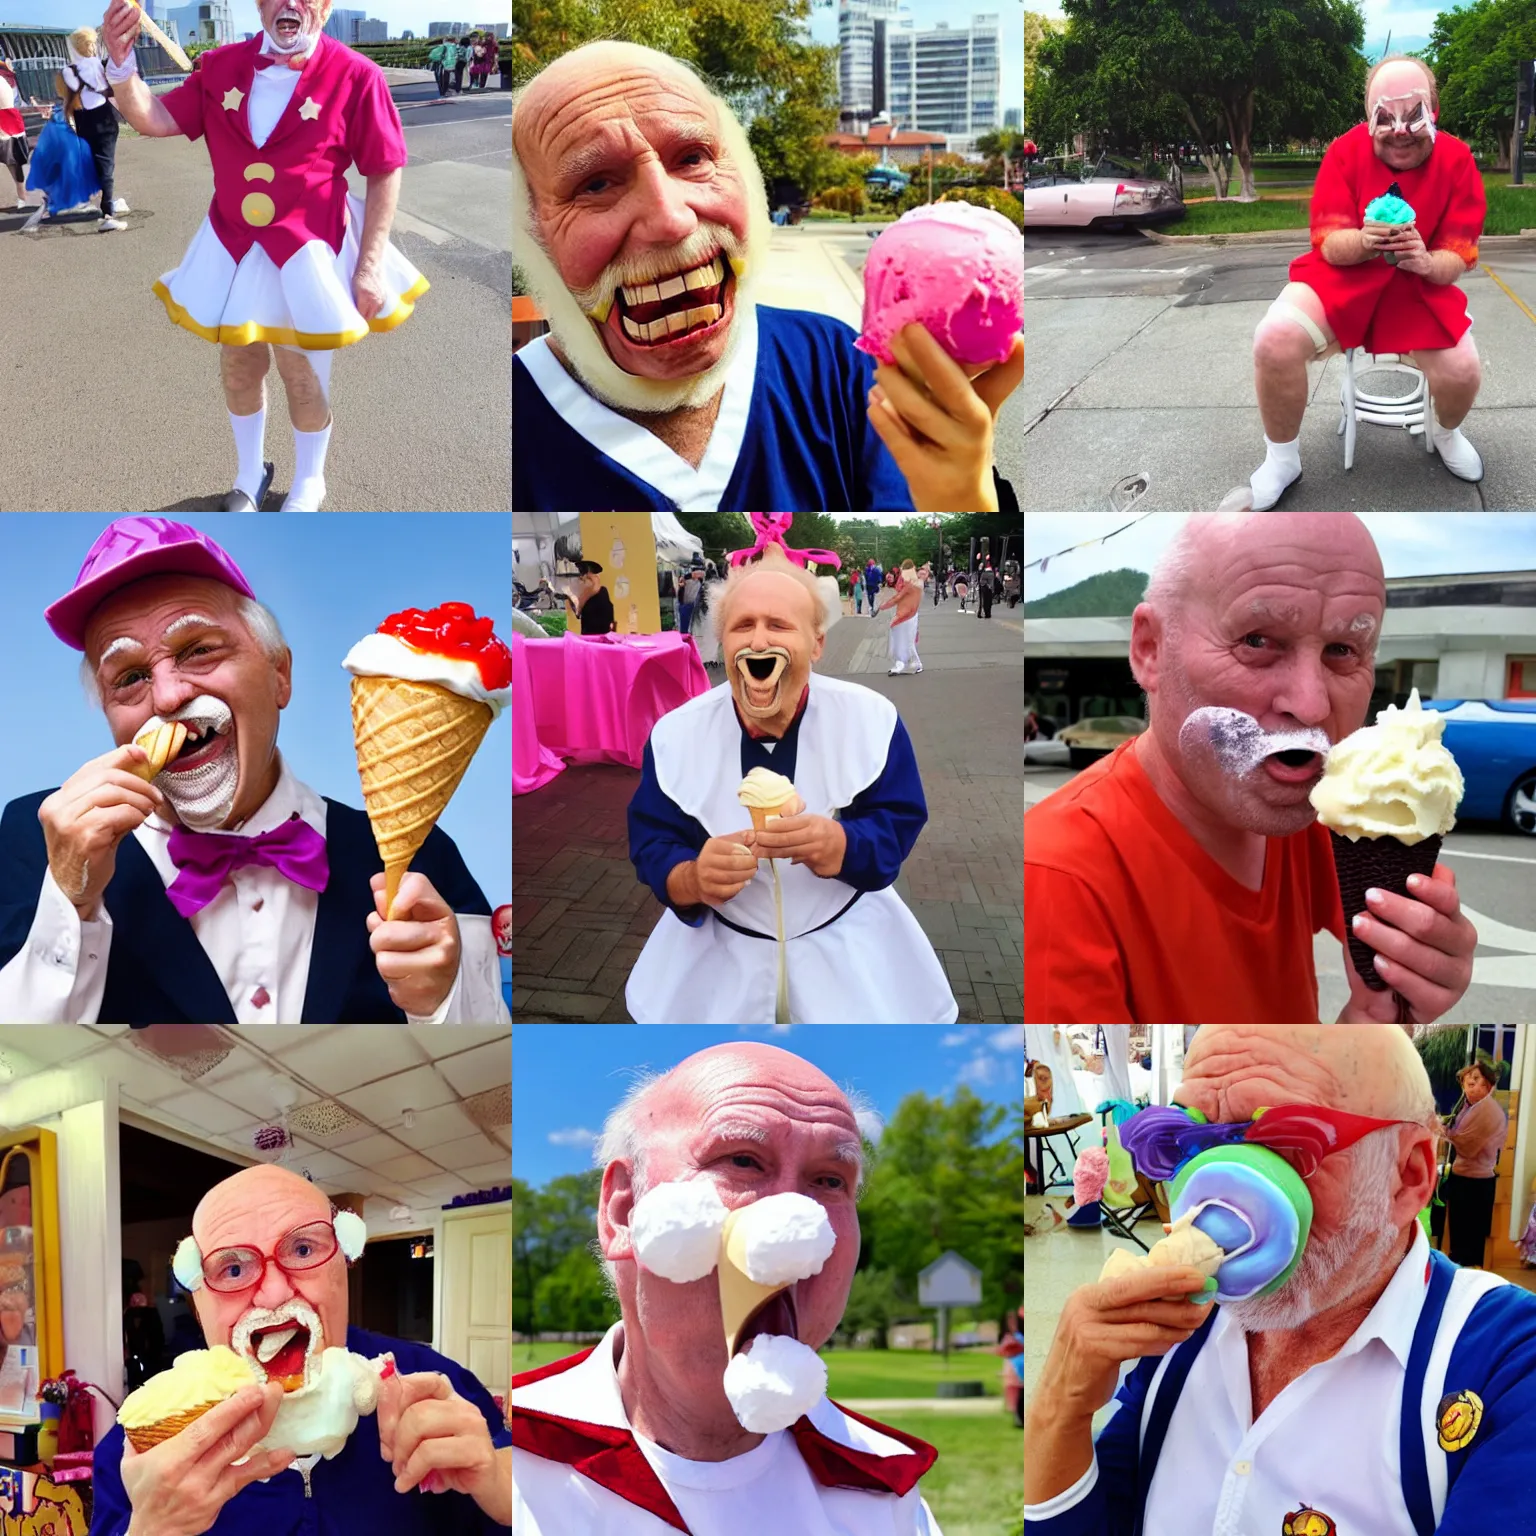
x=614, y=1204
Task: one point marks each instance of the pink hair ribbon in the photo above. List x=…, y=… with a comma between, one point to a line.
x=771, y=528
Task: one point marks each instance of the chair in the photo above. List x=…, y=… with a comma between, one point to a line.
x=1121, y=1219
x=1410, y=410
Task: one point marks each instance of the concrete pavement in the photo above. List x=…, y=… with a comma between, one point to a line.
x=110, y=406
x=1140, y=360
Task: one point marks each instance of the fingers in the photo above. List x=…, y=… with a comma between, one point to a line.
x=399, y=938
x=897, y=437
x=1428, y=998
x=1403, y=915
x=1446, y=968
x=399, y=1393
x=416, y=900
x=225, y=1433
x=263, y=1464
x=916, y=409
x=944, y=378
x=996, y=384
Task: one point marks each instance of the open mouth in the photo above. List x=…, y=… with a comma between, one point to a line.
x=281, y=1351
x=287, y=27
x=685, y=307
x=1296, y=766
x=760, y=678
x=203, y=745
x=776, y=1315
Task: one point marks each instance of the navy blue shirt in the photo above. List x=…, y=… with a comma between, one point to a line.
x=807, y=444
x=353, y=1494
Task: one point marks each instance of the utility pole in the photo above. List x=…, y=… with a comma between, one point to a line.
x=1523, y=92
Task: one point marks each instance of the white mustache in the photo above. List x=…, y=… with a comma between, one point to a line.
x=1240, y=743
x=630, y=272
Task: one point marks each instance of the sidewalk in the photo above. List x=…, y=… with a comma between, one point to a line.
x=581, y=918
x=806, y=271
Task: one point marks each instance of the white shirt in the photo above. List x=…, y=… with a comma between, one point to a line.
x=271, y=91
x=258, y=933
x=1329, y=1440
x=769, y=1491
x=73, y=78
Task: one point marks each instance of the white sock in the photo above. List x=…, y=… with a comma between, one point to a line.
x=1283, y=453
x=250, y=445
x=1282, y=465
x=309, y=450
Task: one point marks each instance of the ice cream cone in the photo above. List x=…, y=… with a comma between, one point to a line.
x=761, y=813
x=740, y=1294
x=414, y=741
x=148, y=1436
x=1381, y=863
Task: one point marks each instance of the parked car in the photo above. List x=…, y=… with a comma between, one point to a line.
x=1105, y=194
x=1494, y=744
x=1091, y=739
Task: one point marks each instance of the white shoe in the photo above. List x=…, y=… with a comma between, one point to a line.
x=305, y=499
x=1281, y=468
x=109, y=223
x=897, y=670
x=1457, y=454
x=918, y=667
x=120, y=205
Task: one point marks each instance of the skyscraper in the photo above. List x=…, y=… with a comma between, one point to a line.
x=946, y=79
x=340, y=24
x=863, y=31
x=204, y=21
x=367, y=30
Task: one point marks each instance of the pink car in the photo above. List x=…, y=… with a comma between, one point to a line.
x=1102, y=199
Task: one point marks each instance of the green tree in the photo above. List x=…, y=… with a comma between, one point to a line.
x=547, y=1225
x=1475, y=54
x=874, y=1303
x=573, y=1297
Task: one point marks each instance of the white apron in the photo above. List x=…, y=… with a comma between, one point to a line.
x=871, y=964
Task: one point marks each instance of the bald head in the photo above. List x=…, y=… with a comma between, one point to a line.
x=254, y=1197
x=1365, y=1069
x=1399, y=78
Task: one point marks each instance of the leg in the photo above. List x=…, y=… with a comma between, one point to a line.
x=244, y=372
x=307, y=381
x=1292, y=333
x=1454, y=375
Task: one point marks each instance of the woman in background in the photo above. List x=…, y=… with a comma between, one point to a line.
x=1478, y=1135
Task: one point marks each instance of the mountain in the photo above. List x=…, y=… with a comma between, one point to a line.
x=1112, y=594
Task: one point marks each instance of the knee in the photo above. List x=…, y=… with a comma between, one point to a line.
x=1279, y=346
x=245, y=367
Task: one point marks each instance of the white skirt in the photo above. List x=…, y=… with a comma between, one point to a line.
x=306, y=303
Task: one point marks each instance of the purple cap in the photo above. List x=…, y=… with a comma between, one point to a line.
x=132, y=548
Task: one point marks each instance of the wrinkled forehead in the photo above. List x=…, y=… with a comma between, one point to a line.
x=159, y=600
x=1231, y=1072
x=1399, y=88
x=229, y=1216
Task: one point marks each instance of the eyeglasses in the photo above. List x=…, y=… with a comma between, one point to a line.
x=242, y=1269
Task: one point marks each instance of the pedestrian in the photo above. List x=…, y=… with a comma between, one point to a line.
x=906, y=597
x=962, y=588
x=688, y=597
x=94, y=118
x=62, y=171
x=1478, y=1135
x=856, y=589
x=484, y=61
x=460, y=59
x=439, y=74
x=873, y=576
x=985, y=587
x=13, y=133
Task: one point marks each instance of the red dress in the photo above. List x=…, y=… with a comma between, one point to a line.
x=1372, y=305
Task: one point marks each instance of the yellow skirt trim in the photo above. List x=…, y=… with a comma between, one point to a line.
x=248, y=334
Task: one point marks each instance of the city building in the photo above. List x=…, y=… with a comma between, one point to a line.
x=204, y=21
x=495, y=28
x=863, y=33
x=945, y=79
x=370, y=31
x=447, y=28
x=1014, y=118
x=904, y=147
x=38, y=52
x=342, y=24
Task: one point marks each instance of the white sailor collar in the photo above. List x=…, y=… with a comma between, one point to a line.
x=572, y=1411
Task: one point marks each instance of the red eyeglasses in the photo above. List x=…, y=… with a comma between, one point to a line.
x=240, y=1269
x=1304, y=1134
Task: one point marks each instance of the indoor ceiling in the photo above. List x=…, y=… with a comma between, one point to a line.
x=348, y=1090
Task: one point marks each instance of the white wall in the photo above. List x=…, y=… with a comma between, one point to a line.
x=1474, y=674
x=90, y=1224
x=1522, y=1075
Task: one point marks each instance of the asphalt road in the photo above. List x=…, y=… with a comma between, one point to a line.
x=1140, y=360
x=108, y=406
x=1495, y=872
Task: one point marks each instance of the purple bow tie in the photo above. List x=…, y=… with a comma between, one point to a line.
x=206, y=859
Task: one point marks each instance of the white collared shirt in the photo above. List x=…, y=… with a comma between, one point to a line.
x=257, y=932
x=768, y=1491
x=271, y=91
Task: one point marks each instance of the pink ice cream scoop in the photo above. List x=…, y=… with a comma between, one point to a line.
x=957, y=269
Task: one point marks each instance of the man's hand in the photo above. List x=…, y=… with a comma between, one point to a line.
x=725, y=867
x=818, y=842
x=368, y=291
x=86, y=818
x=179, y=1487
x=417, y=950
x=938, y=423
x=434, y=1438
x=1423, y=950
x=1407, y=244
x=120, y=30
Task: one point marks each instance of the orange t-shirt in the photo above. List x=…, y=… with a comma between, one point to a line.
x=1127, y=919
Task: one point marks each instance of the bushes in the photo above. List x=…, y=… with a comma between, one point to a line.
x=849, y=200
x=999, y=201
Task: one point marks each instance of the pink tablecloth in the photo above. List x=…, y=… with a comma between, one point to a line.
x=594, y=699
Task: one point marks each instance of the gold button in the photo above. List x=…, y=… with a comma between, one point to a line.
x=258, y=209
x=260, y=172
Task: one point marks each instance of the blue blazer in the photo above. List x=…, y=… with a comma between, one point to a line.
x=158, y=972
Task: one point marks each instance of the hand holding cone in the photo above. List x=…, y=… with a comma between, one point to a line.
x=162, y=743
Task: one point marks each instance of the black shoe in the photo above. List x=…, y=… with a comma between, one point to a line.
x=238, y=501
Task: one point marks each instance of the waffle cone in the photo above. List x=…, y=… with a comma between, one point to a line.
x=1381, y=862
x=414, y=741
x=145, y=1437
x=761, y=813
x=740, y=1294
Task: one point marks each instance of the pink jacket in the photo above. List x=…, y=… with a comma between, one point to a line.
x=293, y=189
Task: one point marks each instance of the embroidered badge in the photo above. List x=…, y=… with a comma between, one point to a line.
x=310, y=110
x=1307, y=1521
x=1458, y=1419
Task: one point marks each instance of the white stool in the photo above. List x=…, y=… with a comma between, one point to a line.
x=1410, y=410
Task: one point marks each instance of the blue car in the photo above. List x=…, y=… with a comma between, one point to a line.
x=1494, y=744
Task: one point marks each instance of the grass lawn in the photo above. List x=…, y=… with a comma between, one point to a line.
x=977, y=1486
x=851, y=1373
x=1510, y=209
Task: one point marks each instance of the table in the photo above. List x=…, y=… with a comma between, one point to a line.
x=594, y=698
x=1062, y=1127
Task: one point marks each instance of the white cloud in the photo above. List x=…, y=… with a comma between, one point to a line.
x=1010, y=1038
x=956, y=1037
x=871, y=1126
x=981, y=1069
x=780, y=1029
x=573, y=1136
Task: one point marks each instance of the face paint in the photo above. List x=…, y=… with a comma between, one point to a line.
x=759, y=675
x=202, y=792
x=1239, y=743
x=1410, y=113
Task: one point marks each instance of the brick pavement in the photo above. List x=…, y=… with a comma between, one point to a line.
x=580, y=917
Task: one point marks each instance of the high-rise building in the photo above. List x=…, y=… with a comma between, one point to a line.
x=204, y=21
x=1014, y=118
x=495, y=28
x=945, y=79
x=367, y=30
x=863, y=32
x=341, y=23
x=447, y=28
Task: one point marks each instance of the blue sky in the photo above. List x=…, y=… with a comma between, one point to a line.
x=330, y=579
x=402, y=15
x=1411, y=543
x=567, y=1077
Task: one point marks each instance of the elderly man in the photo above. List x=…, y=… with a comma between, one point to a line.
x=1383, y=288
x=223, y=890
x=902, y=637
x=1377, y=1386
x=643, y=233
x=796, y=922
x=1183, y=877
x=287, y=261
x=641, y=1436
x=269, y=1255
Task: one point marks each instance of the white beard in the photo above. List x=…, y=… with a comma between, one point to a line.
x=301, y=43
x=586, y=356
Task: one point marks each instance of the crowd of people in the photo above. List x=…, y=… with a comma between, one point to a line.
x=984, y=584
x=478, y=52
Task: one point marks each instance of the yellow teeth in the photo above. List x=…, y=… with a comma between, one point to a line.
x=738, y=264
x=160, y=745
x=705, y=276
x=600, y=314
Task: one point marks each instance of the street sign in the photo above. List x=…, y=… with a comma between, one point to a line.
x=949, y=1281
